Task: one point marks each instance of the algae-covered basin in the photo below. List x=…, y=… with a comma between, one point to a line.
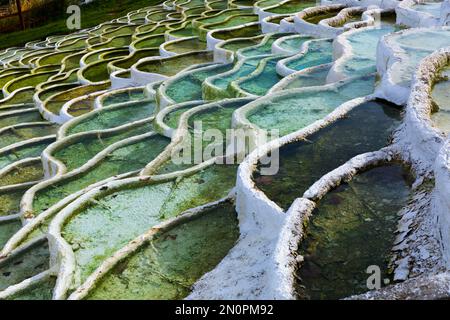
x=366, y=128
x=351, y=230
x=168, y=265
x=172, y=65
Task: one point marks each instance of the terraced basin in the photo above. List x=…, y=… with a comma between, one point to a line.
x=367, y=212
x=368, y=127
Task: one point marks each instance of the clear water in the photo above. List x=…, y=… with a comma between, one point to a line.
x=417, y=46
x=433, y=8
x=261, y=49
x=32, y=262
x=293, y=44
x=364, y=46
x=260, y=83
x=366, y=128
x=248, y=66
x=352, y=229
x=316, y=77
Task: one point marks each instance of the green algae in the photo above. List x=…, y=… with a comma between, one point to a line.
x=172, y=118
x=10, y=201
x=99, y=230
x=22, y=96
x=52, y=90
x=112, y=117
x=366, y=128
x=264, y=48
x=293, y=6
x=55, y=102
x=28, y=150
x=129, y=158
x=97, y=71
x=172, y=65
x=294, y=109
x=4, y=79
x=189, y=86
x=78, y=153
x=234, y=45
x=150, y=42
x=15, y=118
x=232, y=21
x=314, y=77
x=25, y=172
x=316, y=18
x=222, y=82
x=24, y=265
x=131, y=95
x=8, y=229
x=31, y=80
x=126, y=63
x=22, y=133
x=220, y=17
x=43, y=290
x=248, y=31
x=72, y=61
x=172, y=261
x=337, y=255
x=186, y=45
x=319, y=52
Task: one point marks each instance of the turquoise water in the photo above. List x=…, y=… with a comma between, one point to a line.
x=261, y=49
x=260, y=83
x=364, y=46
x=249, y=65
x=319, y=52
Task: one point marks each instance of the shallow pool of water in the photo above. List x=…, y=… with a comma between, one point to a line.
x=366, y=128
x=351, y=229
